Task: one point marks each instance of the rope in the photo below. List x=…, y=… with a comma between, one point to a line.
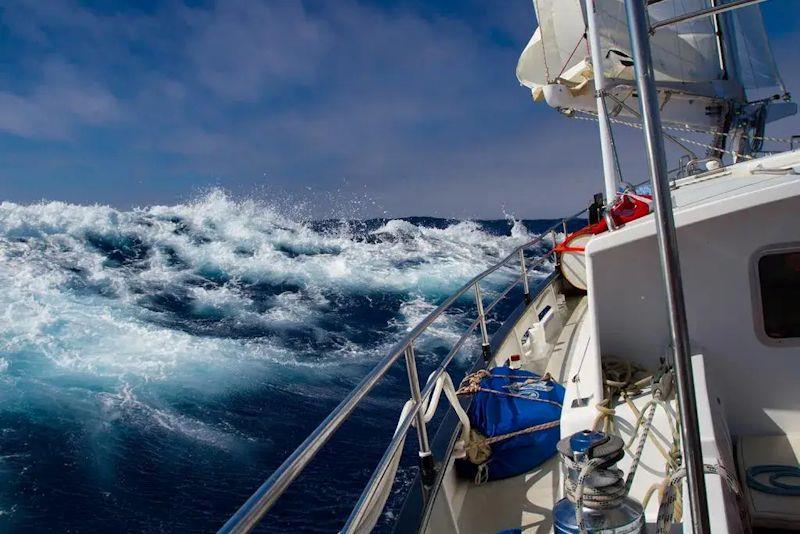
x=625, y=380
x=544, y=49
x=478, y=448
x=640, y=448
x=715, y=149
x=529, y=430
x=578, y=44
x=665, y=509
x=472, y=382
x=592, y=497
x=619, y=379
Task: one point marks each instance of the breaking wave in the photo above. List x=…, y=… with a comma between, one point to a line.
x=146, y=350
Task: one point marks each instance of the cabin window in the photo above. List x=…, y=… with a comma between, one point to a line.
x=779, y=279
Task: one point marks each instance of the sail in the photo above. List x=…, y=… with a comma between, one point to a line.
x=686, y=53
x=696, y=71
x=557, y=44
x=752, y=62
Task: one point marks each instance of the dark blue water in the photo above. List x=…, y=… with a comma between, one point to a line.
x=156, y=365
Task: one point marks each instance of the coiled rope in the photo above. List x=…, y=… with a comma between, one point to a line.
x=593, y=497
x=623, y=381
x=775, y=486
x=620, y=379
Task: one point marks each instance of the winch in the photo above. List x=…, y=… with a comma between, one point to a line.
x=596, y=497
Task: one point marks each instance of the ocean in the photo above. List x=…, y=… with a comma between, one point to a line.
x=157, y=364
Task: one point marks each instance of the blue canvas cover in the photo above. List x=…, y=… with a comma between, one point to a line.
x=510, y=400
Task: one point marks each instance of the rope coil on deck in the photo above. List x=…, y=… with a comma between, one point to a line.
x=622, y=382
x=774, y=485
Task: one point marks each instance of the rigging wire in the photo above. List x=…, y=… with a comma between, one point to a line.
x=541, y=33
x=592, y=117
x=577, y=45
x=613, y=141
x=668, y=136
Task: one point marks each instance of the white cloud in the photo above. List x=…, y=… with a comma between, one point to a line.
x=60, y=102
x=245, y=50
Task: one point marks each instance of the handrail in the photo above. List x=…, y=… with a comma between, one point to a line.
x=251, y=512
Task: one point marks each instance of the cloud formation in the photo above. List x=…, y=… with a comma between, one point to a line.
x=413, y=104
x=61, y=102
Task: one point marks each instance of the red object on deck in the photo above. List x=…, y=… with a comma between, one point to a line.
x=628, y=208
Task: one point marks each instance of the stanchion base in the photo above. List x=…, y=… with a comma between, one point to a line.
x=427, y=467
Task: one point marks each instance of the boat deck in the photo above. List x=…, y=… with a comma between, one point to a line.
x=625, y=321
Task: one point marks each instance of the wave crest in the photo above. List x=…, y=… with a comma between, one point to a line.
x=97, y=290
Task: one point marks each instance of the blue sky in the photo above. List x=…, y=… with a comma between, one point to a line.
x=402, y=107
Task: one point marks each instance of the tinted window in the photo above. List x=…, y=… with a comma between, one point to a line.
x=779, y=275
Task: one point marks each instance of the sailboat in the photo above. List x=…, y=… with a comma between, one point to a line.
x=662, y=353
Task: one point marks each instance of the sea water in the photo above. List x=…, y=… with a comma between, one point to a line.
x=157, y=364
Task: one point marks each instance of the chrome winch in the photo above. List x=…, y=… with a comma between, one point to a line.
x=596, y=497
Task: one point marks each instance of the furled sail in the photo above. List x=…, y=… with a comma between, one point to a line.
x=694, y=71
x=555, y=48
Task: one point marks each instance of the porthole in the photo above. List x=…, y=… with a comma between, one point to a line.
x=776, y=273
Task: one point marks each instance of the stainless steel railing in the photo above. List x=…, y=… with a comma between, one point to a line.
x=251, y=512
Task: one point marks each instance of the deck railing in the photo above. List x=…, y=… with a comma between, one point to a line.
x=252, y=511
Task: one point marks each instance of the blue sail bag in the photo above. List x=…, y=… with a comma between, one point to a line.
x=519, y=403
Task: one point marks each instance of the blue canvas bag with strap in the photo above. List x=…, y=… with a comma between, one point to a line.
x=515, y=413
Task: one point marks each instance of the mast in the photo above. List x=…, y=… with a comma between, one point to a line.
x=610, y=178
x=638, y=26
x=726, y=62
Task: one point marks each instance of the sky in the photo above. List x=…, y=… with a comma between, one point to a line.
x=346, y=107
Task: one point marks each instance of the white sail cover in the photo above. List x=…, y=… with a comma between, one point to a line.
x=686, y=56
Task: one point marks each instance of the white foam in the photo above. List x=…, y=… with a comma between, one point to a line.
x=124, y=404
x=65, y=304
x=443, y=333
